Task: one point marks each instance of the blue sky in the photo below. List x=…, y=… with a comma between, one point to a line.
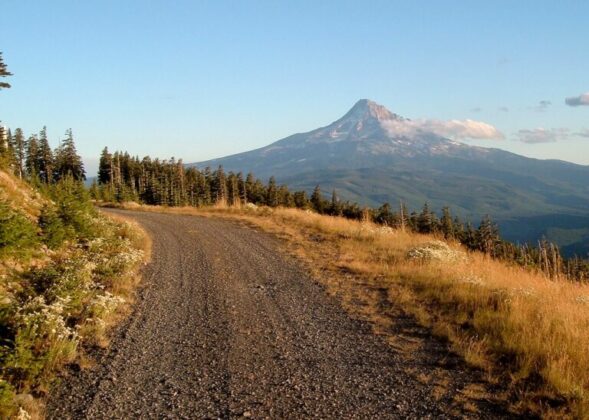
x=198, y=80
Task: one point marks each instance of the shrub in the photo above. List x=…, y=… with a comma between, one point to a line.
x=74, y=208
x=17, y=232
x=53, y=230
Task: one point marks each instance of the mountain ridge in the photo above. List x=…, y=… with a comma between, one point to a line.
x=372, y=155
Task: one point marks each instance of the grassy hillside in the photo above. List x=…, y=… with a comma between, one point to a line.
x=524, y=330
x=524, y=213
x=66, y=271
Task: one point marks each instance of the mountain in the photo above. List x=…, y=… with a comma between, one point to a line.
x=372, y=155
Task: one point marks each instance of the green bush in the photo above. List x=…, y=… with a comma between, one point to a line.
x=54, y=232
x=17, y=232
x=74, y=208
x=7, y=405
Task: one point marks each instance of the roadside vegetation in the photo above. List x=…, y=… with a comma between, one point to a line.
x=67, y=272
x=124, y=178
x=524, y=328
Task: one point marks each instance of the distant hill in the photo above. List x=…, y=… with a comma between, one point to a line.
x=372, y=155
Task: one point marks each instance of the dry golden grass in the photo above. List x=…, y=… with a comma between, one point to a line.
x=517, y=325
x=20, y=195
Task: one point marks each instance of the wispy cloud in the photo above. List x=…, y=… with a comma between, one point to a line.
x=542, y=135
x=582, y=99
x=542, y=106
x=453, y=129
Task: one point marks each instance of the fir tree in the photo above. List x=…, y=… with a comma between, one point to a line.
x=67, y=160
x=31, y=158
x=45, y=158
x=317, y=200
x=424, y=221
x=335, y=207
x=105, y=168
x=220, y=186
x=447, y=224
x=487, y=236
x=19, y=152
x=3, y=73
x=300, y=200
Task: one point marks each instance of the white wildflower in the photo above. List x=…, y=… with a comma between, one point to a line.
x=23, y=414
x=435, y=250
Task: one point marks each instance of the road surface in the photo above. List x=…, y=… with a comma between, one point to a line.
x=227, y=326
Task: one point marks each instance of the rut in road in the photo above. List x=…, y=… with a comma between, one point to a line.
x=225, y=325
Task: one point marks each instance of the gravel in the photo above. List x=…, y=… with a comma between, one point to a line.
x=226, y=326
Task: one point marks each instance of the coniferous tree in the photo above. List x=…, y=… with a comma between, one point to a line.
x=67, y=160
x=424, y=221
x=242, y=187
x=317, y=200
x=385, y=216
x=45, y=161
x=31, y=158
x=4, y=73
x=487, y=236
x=272, y=193
x=219, y=186
x=4, y=150
x=300, y=200
x=447, y=224
x=335, y=207
x=19, y=152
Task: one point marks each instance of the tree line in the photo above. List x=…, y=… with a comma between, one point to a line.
x=32, y=158
x=122, y=177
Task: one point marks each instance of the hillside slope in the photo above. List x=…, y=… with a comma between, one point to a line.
x=65, y=272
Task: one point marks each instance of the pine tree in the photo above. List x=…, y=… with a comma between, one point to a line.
x=272, y=193
x=219, y=186
x=300, y=199
x=468, y=238
x=19, y=152
x=45, y=161
x=424, y=221
x=67, y=160
x=105, y=168
x=242, y=186
x=317, y=200
x=4, y=153
x=31, y=158
x=385, y=216
x=335, y=207
x=487, y=236
x=3, y=73
x=446, y=224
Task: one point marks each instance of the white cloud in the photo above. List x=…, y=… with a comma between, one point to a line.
x=582, y=99
x=453, y=129
x=542, y=135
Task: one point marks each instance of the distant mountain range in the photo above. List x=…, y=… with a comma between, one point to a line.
x=372, y=156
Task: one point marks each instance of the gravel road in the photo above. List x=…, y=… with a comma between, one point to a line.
x=226, y=326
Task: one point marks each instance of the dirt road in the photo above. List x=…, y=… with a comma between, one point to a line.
x=225, y=326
